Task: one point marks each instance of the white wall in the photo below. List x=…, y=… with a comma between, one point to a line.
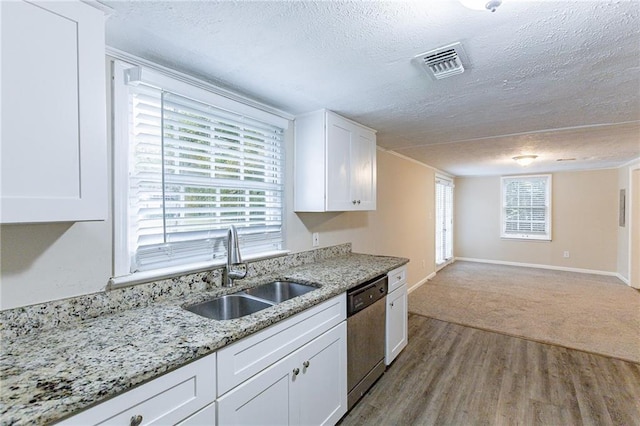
x=54, y=261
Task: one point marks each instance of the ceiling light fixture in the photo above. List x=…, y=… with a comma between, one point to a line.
x=491, y=5
x=525, y=160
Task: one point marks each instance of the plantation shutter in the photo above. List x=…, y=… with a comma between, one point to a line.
x=194, y=170
x=526, y=207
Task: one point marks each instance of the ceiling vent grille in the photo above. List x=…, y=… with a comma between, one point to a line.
x=443, y=62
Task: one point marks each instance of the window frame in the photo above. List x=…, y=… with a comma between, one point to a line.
x=547, y=236
x=122, y=72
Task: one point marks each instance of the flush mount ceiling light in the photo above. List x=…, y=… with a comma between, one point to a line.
x=491, y=5
x=525, y=160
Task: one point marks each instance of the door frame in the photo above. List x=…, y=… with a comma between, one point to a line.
x=633, y=223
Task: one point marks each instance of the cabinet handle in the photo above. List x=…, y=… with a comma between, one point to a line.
x=306, y=364
x=135, y=420
x=296, y=371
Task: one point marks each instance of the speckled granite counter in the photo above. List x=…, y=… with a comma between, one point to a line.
x=50, y=373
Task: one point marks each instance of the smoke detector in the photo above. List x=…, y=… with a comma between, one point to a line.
x=444, y=61
x=491, y=5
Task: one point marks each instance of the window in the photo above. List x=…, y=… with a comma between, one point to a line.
x=444, y=220
x=194, y=169
x=526, y=207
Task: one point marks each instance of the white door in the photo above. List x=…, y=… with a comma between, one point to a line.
x=339, y=137
x=396, y=326
x=363, y=170
x=262, y=400
x=444, y=221
x=53, y=146
x=322, y=384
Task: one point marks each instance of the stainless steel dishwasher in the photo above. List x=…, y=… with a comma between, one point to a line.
x=366, y=310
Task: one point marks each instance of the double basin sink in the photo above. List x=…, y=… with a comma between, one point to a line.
x=249, y=301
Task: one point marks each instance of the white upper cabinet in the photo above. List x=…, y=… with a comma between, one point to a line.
x=53, y=147
x=335, y=164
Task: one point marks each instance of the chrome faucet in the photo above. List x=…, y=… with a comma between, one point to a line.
x=233, y=259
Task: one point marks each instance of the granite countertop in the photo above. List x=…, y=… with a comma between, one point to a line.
x=51, y=374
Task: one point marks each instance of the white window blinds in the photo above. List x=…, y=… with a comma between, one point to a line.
x=526, y=207
x=444, y=220
x=194, y=170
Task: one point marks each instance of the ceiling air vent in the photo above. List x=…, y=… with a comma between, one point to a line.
x=443, y=62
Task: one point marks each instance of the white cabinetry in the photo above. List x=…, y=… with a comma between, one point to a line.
x=307, y=387
x=397, y=311
x=53, y=146
x=169, y=399
x=335, y=164
x=294, y=372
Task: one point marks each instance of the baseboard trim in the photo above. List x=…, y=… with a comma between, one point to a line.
x=421, y=282
x=624, y=279
x=541, y=266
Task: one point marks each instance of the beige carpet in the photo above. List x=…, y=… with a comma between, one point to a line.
x=593, y=313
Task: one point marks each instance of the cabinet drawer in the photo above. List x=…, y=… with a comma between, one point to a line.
x=166, y=400
x=247, y=357
x=397, y=278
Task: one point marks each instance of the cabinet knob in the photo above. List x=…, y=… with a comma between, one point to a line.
x=135, y=420
x=354, y=201
x=296, y=371
x=306, y=364
x=358, y=201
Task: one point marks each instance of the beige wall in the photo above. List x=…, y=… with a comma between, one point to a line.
x=402, y=225
x=585, y=222
x=54, y=261
x=624, y=233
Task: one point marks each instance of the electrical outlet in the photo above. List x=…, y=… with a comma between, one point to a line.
x=315, y=239
x=565, y=254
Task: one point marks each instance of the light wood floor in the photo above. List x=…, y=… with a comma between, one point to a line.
x=456, y=375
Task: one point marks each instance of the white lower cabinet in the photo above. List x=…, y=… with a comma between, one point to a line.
x=169, y=399
x=396, y=326
x=307, y=387
x=291, y=373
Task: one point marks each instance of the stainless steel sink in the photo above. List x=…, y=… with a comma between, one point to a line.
x=279, y=291
x=229, y=307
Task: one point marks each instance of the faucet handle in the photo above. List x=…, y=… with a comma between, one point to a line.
x=238, y=274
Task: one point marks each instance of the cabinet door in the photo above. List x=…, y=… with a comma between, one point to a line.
x=363, y=170
x=204, y=417
x=261, y=400
x=340, y=134
x=53, y=140
x=396, y=326
x=321, y=388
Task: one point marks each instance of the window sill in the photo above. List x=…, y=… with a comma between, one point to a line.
x=175, y=271
x=530, y=239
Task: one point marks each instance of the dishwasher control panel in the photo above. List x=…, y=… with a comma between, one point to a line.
x=366, y=294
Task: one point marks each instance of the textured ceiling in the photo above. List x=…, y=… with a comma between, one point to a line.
x=556, y=79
